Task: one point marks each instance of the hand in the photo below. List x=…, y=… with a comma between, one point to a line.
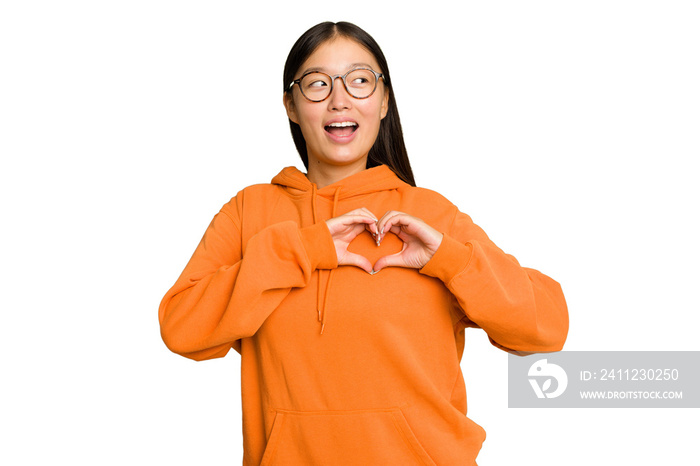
x=420, y=241
x=345, y=228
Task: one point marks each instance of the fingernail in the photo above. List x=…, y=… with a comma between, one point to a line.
x=373, y=272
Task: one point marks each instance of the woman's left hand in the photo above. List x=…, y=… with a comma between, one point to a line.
x=420, y=240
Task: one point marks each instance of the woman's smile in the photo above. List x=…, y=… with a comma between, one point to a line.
x=341, y=130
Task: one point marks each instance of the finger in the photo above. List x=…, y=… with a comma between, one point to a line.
x=372, y=228
x=389, y=219
x=381, y=229
x=356, y=260
x=357, y=218
x=353, y=231
x=407, y=226
x=387, y=214
x=385, y=217
x=349, y=220
x=361, y=211
x=398, y=220
x=369, y=212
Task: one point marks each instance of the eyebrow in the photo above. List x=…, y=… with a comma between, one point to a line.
x=354, y=65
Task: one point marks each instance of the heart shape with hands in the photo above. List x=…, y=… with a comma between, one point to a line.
x=420, y=240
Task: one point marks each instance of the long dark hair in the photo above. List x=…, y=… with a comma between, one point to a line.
x=389, y=148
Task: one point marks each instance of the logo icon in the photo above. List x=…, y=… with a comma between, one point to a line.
x=547, y=371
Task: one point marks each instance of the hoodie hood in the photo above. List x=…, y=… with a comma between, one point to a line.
x=369, y=181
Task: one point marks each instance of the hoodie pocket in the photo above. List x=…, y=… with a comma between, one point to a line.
x=363, y=437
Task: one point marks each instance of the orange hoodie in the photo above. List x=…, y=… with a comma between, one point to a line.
x=340, y=367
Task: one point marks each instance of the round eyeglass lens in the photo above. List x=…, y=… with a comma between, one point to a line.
x=360, y=84
x=315, y=86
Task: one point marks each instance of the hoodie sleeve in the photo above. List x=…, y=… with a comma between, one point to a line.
x=522, y=310
x=225, y=294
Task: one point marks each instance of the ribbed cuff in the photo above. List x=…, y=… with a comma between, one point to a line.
x=451, y=258
x=318, y=242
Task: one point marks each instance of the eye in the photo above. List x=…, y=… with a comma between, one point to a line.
x=360, y=78
x=317, y=83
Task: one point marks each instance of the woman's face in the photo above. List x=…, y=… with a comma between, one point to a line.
x=338, y=146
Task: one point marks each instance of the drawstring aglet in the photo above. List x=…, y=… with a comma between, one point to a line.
x=322, y=325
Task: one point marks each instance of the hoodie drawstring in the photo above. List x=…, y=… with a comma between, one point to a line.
x=371, y=180
x=321, y=307
x=318, y=276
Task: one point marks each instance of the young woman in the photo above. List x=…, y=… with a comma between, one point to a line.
x=346, y=289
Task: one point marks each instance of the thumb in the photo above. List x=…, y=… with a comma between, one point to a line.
x=350, y=258
x=392, y=260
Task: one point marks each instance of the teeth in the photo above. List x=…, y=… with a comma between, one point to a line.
x=343, y=124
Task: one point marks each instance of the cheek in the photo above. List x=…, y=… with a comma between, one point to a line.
x=309, y=118
x=372, y=113
x=376, y=104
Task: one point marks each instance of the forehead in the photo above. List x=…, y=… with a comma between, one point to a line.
x=337, y=56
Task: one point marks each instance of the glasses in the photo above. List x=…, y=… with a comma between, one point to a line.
x=317, y=86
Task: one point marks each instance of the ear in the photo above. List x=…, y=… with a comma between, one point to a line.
x=288, y=102
x=385, y=104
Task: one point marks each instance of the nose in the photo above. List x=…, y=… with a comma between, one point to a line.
x=339, y=98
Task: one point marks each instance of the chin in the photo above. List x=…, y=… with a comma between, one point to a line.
x=341, y=158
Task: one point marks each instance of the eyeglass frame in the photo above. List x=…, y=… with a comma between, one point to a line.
x=345, y=84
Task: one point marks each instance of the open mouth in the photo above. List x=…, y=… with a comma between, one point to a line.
x=342, y=129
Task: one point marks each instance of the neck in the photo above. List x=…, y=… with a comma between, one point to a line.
x=324, y=174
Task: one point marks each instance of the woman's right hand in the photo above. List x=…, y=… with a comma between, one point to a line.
x=345, y=228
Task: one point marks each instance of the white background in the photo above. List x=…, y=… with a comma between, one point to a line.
x=567, y=130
